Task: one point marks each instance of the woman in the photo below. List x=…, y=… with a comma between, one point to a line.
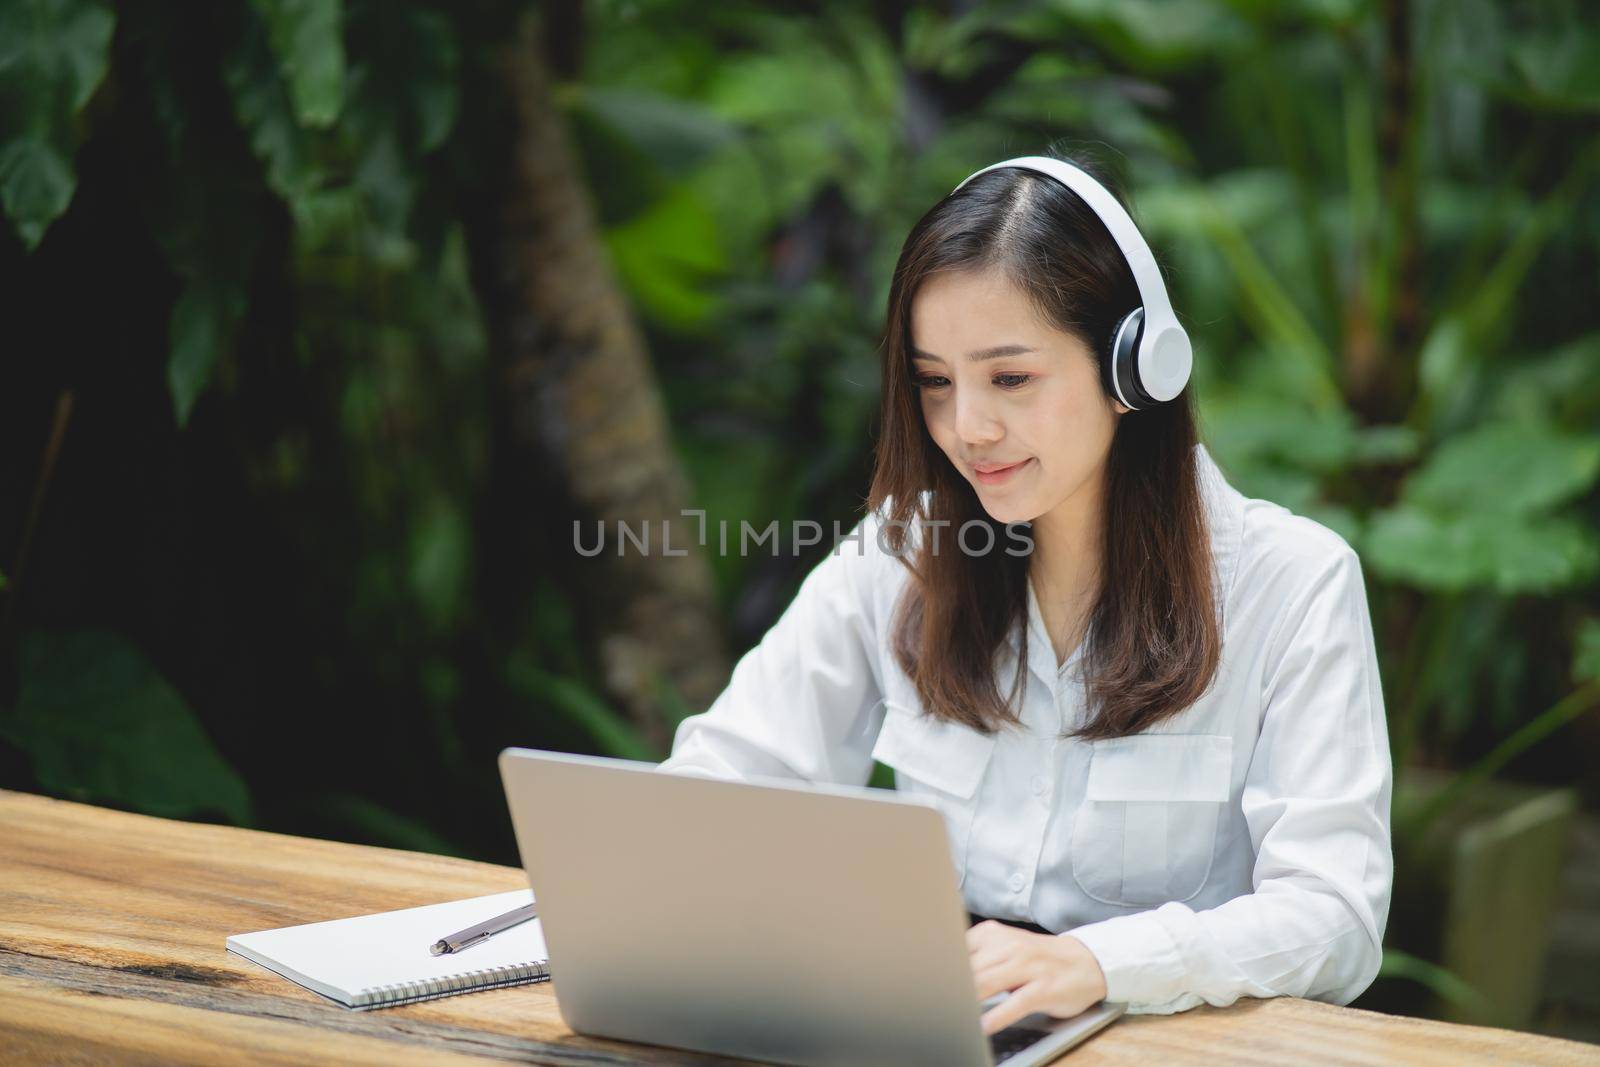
x=1148, y=706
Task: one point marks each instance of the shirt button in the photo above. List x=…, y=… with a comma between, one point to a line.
x=1016, y=882
x=1039, y=785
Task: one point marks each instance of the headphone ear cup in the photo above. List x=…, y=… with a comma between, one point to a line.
x=1121, y=366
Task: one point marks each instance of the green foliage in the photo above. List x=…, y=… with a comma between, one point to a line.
x=1586, y=660
x=1244, y=429
x=665, y=254
x=1478, y=512
x=53, y=56
x=1509, y=553
x=1438, y=980
x=305, y=36
x=1217, y=215
x=615, y=735
x=266, y=112
x=676, y=709
x=100, y=724
x=1506, y=468
x=203, y=321
x=339, y=139
x=1484, y=308
x=441, y=562
x=35, y=183
x=816, y=100
x=1577, y=703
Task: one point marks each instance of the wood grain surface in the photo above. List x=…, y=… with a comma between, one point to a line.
x=111, y=950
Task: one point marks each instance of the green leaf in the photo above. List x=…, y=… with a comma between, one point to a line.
x=1557, y=68
x=952, y=47
x=1586, y=654
x=305, y=36
x=666, y=255
x=264, y=110
x=36, y=185
x=441, y=558
x=387, y=181
x=1385, y=444
x=99, y=724
x=1252, y=430
x=1219, y=213
x=1569, y=708
x=673, y=706
x=1443, y=983
x=53, y=55
x=1470, y=330
x=1541, y=555
x=1285, y=486
x=1547, y=385
x=1145, y=35
x=676, y=134
x=201, y=329
x=819, y=102
x=614, y=733
x=63, y=43
x=1507, y=552
x=436, y=103
x=1413, y=546
x=1506, y=467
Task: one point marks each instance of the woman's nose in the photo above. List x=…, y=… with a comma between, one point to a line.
x=975, y=425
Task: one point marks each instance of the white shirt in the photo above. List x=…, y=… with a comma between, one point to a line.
x=1240, y=848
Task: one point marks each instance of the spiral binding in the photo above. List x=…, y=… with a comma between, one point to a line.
x=387, y=996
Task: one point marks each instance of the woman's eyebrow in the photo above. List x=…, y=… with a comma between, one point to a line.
x=981, y=354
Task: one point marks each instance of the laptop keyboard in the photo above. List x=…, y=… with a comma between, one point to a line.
x=1011, y=1040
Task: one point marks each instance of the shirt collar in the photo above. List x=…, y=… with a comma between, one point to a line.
x=1224, y=511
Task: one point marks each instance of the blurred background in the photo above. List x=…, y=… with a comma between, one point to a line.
x=324, y=322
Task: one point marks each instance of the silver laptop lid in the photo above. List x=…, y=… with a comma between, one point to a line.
x=783, y=921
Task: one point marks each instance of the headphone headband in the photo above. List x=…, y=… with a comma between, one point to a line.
x=1162, y=355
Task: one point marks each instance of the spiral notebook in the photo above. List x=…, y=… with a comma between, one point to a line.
x=378, y=961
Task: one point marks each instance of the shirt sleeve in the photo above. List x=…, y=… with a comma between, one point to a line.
x=1316, y=800
x=806, y=701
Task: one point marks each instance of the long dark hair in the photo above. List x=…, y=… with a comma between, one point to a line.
x=1154, y=637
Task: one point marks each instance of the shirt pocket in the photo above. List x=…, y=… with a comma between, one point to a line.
x=940, y=760
x=1146, y=831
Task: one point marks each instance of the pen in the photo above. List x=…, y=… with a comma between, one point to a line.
x=482, y=931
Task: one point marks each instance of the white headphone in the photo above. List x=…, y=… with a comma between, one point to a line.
x=1148, y=356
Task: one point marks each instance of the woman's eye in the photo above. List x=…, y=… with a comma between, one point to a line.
x=936, y=381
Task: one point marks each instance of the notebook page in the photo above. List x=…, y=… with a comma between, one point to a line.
x=340, y=957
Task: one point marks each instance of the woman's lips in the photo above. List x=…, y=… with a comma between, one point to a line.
x=988, y=474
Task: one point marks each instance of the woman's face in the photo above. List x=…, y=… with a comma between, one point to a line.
x=1015, y=404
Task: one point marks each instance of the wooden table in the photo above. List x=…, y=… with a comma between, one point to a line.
x=111, y=950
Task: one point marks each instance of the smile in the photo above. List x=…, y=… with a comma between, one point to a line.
x=988, y=474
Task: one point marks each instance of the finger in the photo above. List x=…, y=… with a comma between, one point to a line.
x=996, y=980
x=987, y=956
x=981, y=934
x=999, y=937
x=1017, y=1006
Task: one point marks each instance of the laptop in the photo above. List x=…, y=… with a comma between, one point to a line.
x=770, y=919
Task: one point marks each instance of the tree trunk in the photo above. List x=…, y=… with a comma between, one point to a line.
x=585, y=414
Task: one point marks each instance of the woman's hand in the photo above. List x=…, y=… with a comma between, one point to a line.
x=1057, y=975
